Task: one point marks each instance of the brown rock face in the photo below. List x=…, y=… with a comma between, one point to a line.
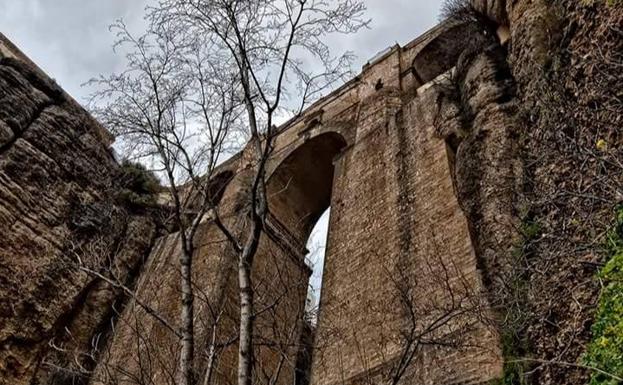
x=57, y=205
x=495, y=10
x=488, y=169
x=566, y=59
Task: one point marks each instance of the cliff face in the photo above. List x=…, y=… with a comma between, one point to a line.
x=539, y=172
x=58, y=210
x=566, y=57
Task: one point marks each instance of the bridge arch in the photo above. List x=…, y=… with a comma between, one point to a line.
x=218, y=184
x=441, y=52
x=299, y=188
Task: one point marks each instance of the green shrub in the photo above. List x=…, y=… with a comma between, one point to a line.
x=605, y=350
x=531, y=230
x=139, y=186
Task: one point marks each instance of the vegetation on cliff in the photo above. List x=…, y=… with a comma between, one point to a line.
x=139, y=185
x=605, y=350
x=565, y=58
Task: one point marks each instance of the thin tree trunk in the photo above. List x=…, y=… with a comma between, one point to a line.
x=207, y=379
x=245, y=350
x=245, y=264
x=188, y=341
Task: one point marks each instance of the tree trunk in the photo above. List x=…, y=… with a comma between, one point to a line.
x=187, y=342
x=207, y=379
x=245, y=349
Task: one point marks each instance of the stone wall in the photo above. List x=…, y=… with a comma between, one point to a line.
x=399, y=243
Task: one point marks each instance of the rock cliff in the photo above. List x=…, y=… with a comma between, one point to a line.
x=58, y=211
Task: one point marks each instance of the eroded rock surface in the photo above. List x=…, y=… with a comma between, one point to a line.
x=58, y=208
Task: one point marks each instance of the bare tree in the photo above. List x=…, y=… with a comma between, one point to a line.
x=271, y=44
x=144, y=358
x=205, y=68
x=175, y=111
x=444, y=318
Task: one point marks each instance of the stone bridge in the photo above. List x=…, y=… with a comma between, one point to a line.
x=401, y=277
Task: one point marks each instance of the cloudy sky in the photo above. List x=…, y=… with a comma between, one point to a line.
x=70, y=40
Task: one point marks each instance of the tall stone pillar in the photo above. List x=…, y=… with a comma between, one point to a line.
x=401, y=280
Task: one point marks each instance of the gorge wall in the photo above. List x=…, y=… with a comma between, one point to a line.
x=465, y=184
x=58, y=206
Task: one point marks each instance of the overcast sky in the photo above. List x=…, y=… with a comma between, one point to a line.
x=69, y=39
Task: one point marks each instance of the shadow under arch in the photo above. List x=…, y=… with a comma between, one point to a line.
x=218, y=184
x=442, y=52
x=299, y=190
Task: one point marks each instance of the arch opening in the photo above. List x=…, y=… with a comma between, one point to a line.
x=217, y=185
x=299, y=191
x=442, y=53
x=299, y=194
x=316, y=244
